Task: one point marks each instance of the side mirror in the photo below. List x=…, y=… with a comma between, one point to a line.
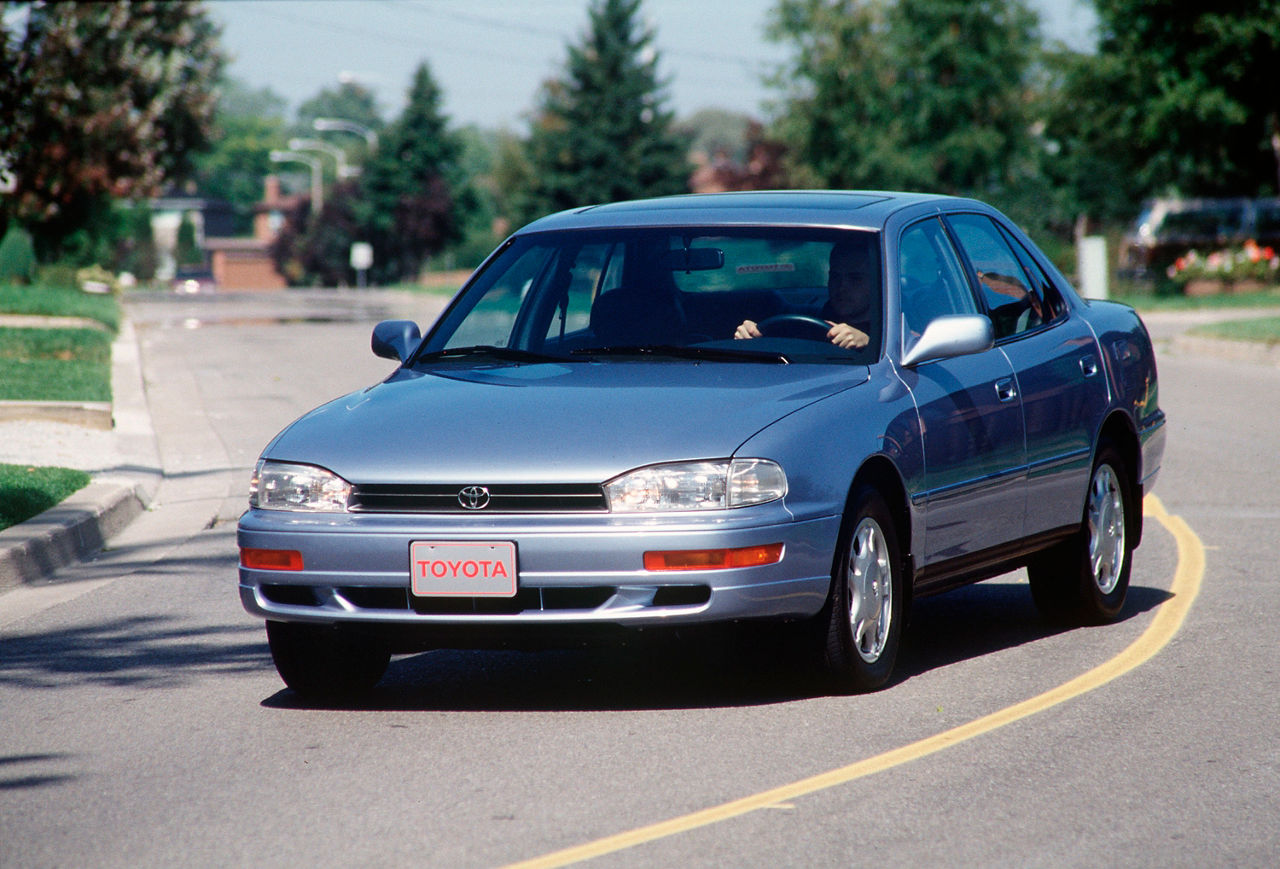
x=951, y=335
x=395, y=339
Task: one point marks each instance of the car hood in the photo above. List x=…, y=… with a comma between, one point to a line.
x=574, y=422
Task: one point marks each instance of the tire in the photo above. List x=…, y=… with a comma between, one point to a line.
x=1085, y=579
x=863, y=620
x=326, y=662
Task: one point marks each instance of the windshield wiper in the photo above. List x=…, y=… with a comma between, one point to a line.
x=717, y=354
x=510, y=354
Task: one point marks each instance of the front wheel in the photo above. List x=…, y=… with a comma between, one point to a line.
x=1085, y=580
x=326, y=662
x=864, y=614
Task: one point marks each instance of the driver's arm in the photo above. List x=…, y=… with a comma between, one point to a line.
x=748, y=329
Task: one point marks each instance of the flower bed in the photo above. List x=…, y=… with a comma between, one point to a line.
x=1249, y=268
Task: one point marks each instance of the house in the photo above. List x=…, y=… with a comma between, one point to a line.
x=245, y=264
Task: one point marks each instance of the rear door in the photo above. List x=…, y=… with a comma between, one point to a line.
x=1057, y=365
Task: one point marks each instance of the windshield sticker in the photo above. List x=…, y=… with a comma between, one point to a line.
x=768, y=267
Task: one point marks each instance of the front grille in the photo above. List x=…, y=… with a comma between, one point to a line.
x=518, y=498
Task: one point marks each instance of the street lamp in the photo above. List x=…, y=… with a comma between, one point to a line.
x=339, y=156
x=330, y=124
x=317, y=182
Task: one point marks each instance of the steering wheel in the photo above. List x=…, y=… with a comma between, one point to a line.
x=794, y=326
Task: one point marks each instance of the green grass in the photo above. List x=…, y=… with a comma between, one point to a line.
x=55, y=365
x=1150, y=302
x=27, y=492
x=1263, y=329
x=53, y=302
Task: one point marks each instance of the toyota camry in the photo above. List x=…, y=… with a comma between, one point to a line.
x=790, y=407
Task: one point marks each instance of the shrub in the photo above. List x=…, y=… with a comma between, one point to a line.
x=17, y=256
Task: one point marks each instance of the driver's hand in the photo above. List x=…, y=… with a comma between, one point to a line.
x=748, y=329
x=844, y=336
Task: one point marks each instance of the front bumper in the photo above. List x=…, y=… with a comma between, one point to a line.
x=572, y=569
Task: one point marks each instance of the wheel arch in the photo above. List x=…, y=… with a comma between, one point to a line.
x=1118, y=431
x=879, y=473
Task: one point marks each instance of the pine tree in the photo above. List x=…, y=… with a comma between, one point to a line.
x=602, y=132
x=412, y=188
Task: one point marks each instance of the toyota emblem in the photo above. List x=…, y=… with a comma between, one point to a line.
x=474, y=498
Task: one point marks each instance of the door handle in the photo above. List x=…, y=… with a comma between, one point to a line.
x=1005, y=390
x=1089, y=365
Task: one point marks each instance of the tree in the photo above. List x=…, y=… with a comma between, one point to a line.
x=351, y=101
x=412, y=190
x=716, y=134
x=323, y=250
x=188, y=251
x=481, y=231
x=913, y=94
x=247, y=126
x=1180, y=98
x=602, y=133
x=100, y=100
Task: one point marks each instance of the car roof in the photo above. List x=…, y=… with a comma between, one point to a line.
x=864, y=209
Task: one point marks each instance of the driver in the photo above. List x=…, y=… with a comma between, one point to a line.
x=851, y=280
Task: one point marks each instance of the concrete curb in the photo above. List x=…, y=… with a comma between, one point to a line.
x=80, y=526
x=90, y=414
x=76, y=529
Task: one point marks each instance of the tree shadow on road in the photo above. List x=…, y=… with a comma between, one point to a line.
x=146, y=651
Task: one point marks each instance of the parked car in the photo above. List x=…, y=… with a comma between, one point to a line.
x=1168, y=228
x=580, y=443
x=191, y=281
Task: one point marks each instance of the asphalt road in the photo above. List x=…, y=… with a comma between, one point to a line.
x=142, y=724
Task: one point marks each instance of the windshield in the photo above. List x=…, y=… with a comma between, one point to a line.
x=790, y=295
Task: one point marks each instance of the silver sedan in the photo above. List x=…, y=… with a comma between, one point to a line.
x=801, y=407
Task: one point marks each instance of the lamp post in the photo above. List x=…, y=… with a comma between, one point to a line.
x=339, y=156
x=330, y=124
x=317, y=181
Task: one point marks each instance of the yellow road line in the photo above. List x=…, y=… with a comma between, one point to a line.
x=1168, y=619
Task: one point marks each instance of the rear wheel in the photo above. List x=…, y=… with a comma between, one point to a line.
x=323, y=661
x=1085, y=580
x=863, y=620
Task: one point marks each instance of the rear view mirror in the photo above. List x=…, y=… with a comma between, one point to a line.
x=951, y=335
x=697, y=259
x=395, y=339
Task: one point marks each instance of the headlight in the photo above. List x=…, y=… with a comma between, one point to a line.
x=283, y=486
x=696, y=486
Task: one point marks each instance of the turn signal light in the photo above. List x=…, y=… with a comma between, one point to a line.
x=271, y=559
x=713, y=559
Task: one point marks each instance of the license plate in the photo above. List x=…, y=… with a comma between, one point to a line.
x=451, y=569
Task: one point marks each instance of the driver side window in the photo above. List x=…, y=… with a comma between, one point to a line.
x=930, y=279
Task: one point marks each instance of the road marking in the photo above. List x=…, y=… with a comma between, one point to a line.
x=1168, y=619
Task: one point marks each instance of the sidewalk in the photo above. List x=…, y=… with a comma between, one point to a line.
x=123, y=461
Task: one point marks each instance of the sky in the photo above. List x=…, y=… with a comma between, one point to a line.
x=490, y=56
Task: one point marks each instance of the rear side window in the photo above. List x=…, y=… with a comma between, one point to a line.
x=1012, y=301
x=1052, y=304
